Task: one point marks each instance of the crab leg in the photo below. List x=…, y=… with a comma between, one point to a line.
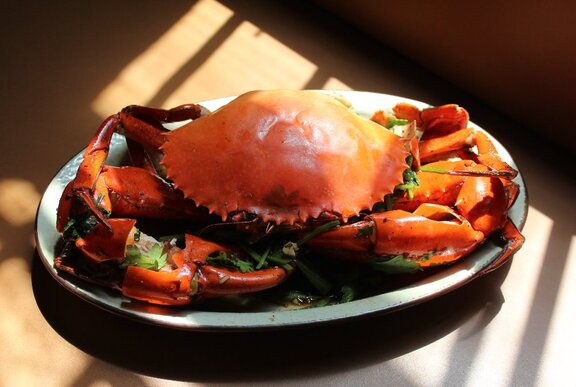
x=513, y=239
x=456, y=141
x=144, y=124
x=189, y=281
x=139, y=157
x=131, y=192
x=157, y=116
x=442, y=120
x=90, y=167
x=445, y=131
x=217, y=281
x=442, y=182
x=434, y=121
x=140, y=124
x=137, y=192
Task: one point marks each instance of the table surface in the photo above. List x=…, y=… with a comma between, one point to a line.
x=66, y=68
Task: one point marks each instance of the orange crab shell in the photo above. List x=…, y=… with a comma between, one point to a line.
x=285, y=156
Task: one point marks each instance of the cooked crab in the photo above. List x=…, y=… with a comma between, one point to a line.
x=292, y=159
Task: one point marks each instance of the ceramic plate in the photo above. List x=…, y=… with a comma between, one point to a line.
x=246, y=313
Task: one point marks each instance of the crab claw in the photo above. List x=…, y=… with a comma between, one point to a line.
x=159, y=287
x=432, y=231
x=431, y=235
x=193, y=278
x=218, y=281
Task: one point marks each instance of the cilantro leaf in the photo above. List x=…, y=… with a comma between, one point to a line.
x=155, y=259
x=79, y=226
x=393, y=121
x=230, y=261
x=365, y=231
x=319, y=281
x=410, y=182
x=349, y=293
x=318, y=230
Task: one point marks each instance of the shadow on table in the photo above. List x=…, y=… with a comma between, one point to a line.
x=267, y=355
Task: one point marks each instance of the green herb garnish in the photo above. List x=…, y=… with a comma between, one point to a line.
x=433, y=169
x=396, y=264
x=321, y=283
x=393, y=121
x=79, y=226
x=364, y=231
x=230, y=261
x=154, y=259
x=318, y=230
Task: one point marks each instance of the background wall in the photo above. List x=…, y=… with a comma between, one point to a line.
x=518, y=56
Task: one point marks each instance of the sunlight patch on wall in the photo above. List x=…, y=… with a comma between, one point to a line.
x=209, y=53
x=139, y=81
x=18, y=201
x=249, y=59
x=335, y=84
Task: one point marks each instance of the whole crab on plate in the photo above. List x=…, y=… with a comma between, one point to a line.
x=281, y=184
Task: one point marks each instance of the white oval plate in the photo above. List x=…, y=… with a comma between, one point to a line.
x=247, y=314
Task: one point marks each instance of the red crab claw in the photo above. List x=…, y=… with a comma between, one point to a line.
x=431, y=235
x=172, y=287
x=432, y=231
x=218, y=281
x=437, y=188
x=137, y=192
x=484, y=202
x=195, y=279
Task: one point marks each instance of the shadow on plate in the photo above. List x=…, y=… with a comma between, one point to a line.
x=267, y=355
